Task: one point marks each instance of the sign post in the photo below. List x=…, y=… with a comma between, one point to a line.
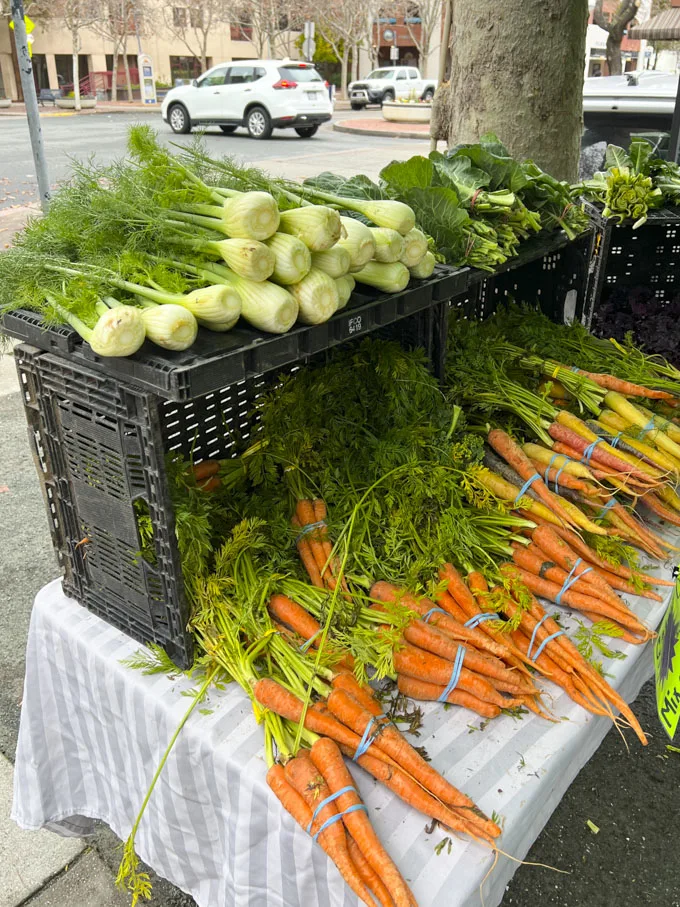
x=309, y=44
x=20, y=23
x=667, y=665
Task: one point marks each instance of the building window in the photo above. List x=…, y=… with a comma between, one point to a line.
x=179, y=17
x=196, y=17
x=186, y=68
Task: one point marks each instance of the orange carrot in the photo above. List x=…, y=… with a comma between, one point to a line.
x=432, y=692
x=559, y=477
x=279, y=700
x=304, y=511
x=576, y=600
x=513, y=454
x=451, y=606
x=540, y=566
x=345, y=680
x=660, y=509
x=307, y=557
x=389, y=740
x=418, y=797
x=302, y=775
x=368, y=876
x=293, y=615
x=205, y=469
x=598, y=453
x=625, y=387
x=455, y=585
x=327, y=758
x=422, y=636
x=386, y=592
x=424, y=666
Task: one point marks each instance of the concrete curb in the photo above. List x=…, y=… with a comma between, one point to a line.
x=387, y=133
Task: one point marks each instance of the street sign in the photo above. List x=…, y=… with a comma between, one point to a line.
x=667, y=666
x=308, y=48
x=30, y=26
x=394, y=53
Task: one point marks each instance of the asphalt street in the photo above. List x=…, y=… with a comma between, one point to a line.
x=104, y=135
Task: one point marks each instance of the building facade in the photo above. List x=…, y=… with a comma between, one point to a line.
x=172, y=59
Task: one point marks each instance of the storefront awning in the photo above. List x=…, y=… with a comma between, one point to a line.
x=664, y=27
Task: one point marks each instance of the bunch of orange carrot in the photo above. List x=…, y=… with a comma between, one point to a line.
x=317, y=789
x=314, y=546
x=353, y=718
x=449, y=655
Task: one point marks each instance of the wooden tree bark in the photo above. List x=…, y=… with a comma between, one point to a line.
x=615, y=27
x=517, y=70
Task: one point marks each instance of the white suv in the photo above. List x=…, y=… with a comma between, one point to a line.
x=259, y=94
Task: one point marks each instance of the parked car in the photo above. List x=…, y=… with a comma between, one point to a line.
x=616, y=108
x=261, y=95
x=389, y=83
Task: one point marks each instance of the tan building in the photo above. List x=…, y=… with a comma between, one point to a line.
x=53, y=61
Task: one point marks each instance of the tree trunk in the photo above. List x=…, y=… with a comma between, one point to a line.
x=76, y=70
x=343, y=69
x=126, y=67
x=114, y=75
x=613, y=52
x=517, y=70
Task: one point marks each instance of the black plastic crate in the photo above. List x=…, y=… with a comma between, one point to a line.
x=551, y=272
x=217, y=360
x=100, y=443
x=648, y=257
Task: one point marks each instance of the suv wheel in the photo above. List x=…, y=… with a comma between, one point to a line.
x=179, y=118
x=429, y=94
x=357, y=106
x=259, y=123
x=388, y=96
x=306, y=132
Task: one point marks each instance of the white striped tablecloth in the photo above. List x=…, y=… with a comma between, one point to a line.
x=92, y=732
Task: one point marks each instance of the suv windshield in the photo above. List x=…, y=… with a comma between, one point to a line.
x=299, y=74
x=380, y=74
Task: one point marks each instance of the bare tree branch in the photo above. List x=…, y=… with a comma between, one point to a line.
x=615, y=28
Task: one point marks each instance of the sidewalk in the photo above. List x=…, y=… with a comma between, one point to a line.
x=366, y=126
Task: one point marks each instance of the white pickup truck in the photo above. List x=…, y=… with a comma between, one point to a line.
x=389, y=83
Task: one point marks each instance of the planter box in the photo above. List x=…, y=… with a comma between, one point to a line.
x=396, y=112
x=70, y=103
x=5, y=102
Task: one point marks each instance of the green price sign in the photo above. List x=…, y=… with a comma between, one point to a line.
x=667, y=665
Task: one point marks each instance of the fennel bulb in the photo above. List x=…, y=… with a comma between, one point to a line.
x=359, y=242
x=251, y=215
x=415, y=247
x=317, y=226
x=317, y=297
x=266, y=306
x=390, y=277
x=389, y=244
x=247, y=257
x=334, y=261
x=170, y=326
x=293, y=258
x=425, y=267
x=345, y=286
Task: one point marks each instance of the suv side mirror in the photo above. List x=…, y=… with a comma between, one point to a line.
x=194, y=82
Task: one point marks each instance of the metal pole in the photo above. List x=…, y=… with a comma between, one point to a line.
x=674, y=145
x=31, y=101
x=446, y=37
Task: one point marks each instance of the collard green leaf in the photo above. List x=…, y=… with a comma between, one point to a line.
x=616, y=156
x=439, y=213
x=459, y=174
x=415, y=173
x=490, y=155
x=357, y=187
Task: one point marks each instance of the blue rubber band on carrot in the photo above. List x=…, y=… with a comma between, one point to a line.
x=478, y=618
x=546, y=641
x=607, y=507
x=529, y=482
x=572, y=576
x=588, y=452
x=349, y=788
x=455, y=675
x=533, y=635
x=426, y=617
x=336, y=818
x=305, y=645
x=366, y=739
